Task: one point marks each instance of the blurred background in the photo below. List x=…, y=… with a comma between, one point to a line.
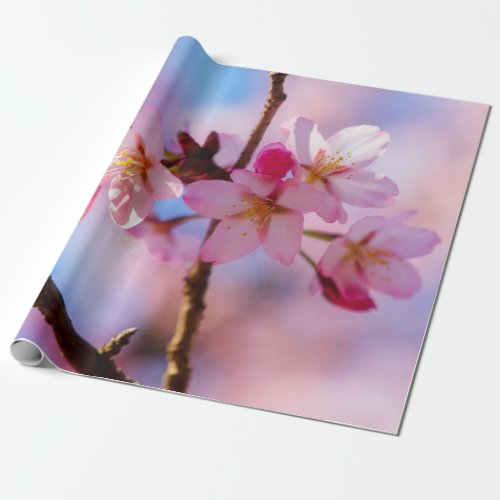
x=265, y=340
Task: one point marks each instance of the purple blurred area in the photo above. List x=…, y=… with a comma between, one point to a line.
x=265, y=340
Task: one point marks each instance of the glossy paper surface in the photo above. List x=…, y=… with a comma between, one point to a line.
x=266, y=240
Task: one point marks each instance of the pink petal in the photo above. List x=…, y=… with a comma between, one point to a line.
x=164, y=244
x=299, y=173
x=120, y=197
x=327, y=204
x=173, y=147
x=299, y=196
x=350, y=280
x=217, y=199
x=233, y=238
x=405, y=241
x=363, y=189
x=119, y=190
x=303, y=139
x=130, y=201
x=142, y=230
x=165, y=184
x=132, y=139
x=142, y=198
x=133, y=219
x=334, y=254
x=401, y=217
x=275, y=160
x=315, y=285
x=332, y=294
x=147, y=123
x=283, y=236
x=178, y=249
x=231, y=146
x=395, y=277
x=329, y=208
x=261, y=185
x=161, y=246
x=187, y=249
x=364, y=304
x=366, y=226
x=358, y=146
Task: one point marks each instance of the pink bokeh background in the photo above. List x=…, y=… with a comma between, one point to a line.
x=265, y=341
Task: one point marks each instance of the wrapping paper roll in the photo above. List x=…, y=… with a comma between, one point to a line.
x=263, y=239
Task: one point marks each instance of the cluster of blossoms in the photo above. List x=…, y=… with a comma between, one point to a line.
x=265, y=205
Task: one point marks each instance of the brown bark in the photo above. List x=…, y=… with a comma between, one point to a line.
x=275, y=99
x=190, y=315
x=83, y=356
x=193, y=306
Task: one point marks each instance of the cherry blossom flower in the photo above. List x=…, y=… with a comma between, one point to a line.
x=335, y=166
x=274, y=159
x=164, y=243
x=136, y=178
x=373, y=255
x=254, y=210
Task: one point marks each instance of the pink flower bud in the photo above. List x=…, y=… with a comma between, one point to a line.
x=274, y=160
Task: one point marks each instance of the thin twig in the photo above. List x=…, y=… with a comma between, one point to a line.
x=193, y=306
x=82, y=356
x=114, y=346
x=321, y=235
x=275, y=99
x=308, y=259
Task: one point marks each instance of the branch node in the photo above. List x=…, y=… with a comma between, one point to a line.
x=82, y=355
x=114, y=346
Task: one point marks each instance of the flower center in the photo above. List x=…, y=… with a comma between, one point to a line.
x=128, y=162
x=325, y=165
x=259, y=210
x=367, y=256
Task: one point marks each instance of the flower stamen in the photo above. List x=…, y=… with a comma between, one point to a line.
x=366, y=256
x=259, y=210
x=325, y=165
x=127, y=163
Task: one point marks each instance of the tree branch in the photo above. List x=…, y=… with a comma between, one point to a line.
x=193, y=306
x=191, y=311
x=84, y=357
x=275, y=99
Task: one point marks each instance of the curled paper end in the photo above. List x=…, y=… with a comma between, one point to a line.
x=27, y=353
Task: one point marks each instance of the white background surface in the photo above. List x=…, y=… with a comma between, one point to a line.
x=73, y=75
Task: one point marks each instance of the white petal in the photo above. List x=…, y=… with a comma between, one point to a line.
x=357, y=146
x=303, y=139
